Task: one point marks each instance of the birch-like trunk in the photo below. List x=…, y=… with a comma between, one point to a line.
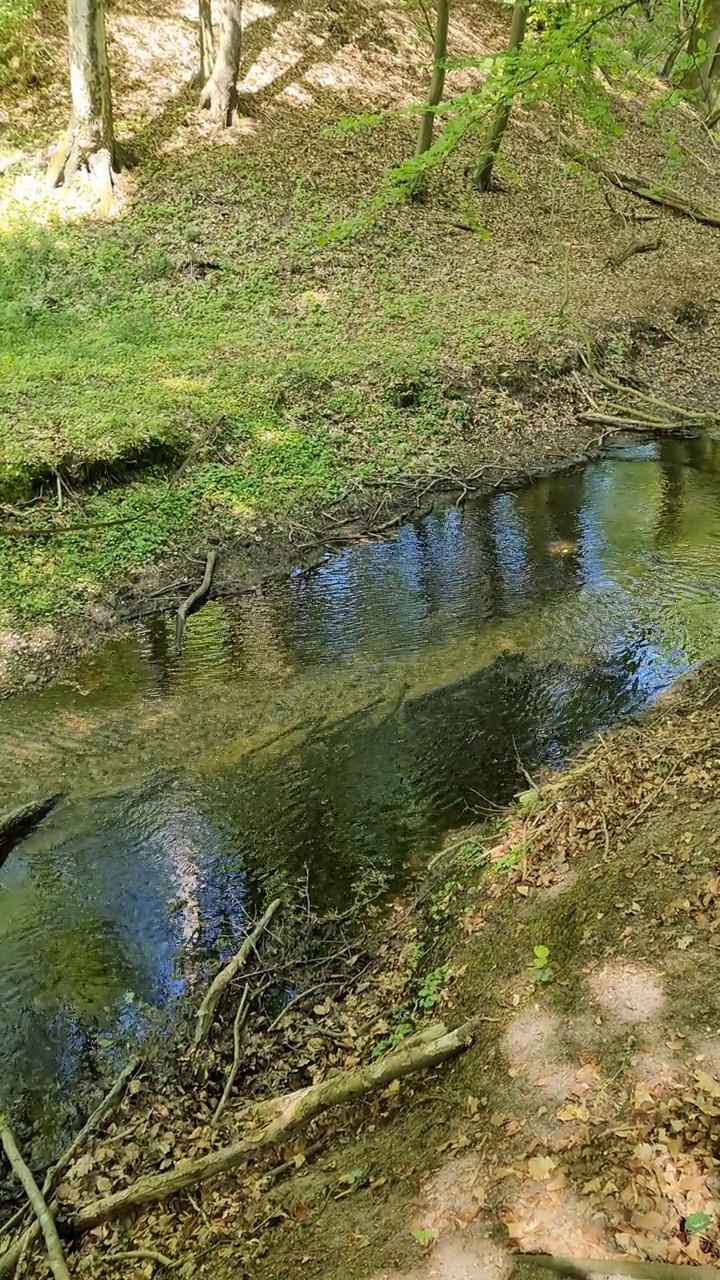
x=219, y=94
x=89, y=141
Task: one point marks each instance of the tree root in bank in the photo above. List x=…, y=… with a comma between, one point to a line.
x=197, y=597
x=206, y=1012
x=581, y=1268
x=40, y=1208
x=283, y=1118
x=11, y=1257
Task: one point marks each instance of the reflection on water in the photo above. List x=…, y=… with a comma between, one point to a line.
x=342, y=721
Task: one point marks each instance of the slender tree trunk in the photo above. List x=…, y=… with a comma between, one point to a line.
x=481, y=174
x=437, y=84
x=220, y=92
x=89, y=140
x=703, y=80
x=207, y=40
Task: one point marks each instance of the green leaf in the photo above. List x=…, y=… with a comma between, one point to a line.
x=423, y=1236
x=542, y=955
x=697, y=1222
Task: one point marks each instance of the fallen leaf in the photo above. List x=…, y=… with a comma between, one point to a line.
x=540, y=1167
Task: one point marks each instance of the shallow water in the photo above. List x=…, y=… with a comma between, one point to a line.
x=342, y=722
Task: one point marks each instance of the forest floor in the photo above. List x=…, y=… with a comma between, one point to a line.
x=582, y=929
x=213, y=364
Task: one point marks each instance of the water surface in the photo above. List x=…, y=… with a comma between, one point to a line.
x=340, y=722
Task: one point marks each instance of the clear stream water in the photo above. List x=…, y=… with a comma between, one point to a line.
x=342, y=721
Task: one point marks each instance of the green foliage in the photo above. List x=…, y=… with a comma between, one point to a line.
x=430, y=988
x=542, y=969
x=16, y=44
x=697, y=1223
x=399, y=1033
x=424, y=1236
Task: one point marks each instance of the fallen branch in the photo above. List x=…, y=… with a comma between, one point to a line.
x=206, y=1012
x=144, y=1255
x=639, y=246
x=11, y=1257
x=626, y=424
x=15, y=826
x=643, y=187
x=238, y=1025
x=195, y=598
x=580, y=1268
x=54, y=531
x=56, y=1256
x=287, y=1116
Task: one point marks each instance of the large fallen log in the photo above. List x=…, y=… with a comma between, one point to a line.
x=15, y=826
x=283, y=1118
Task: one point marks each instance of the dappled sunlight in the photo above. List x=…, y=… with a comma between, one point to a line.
x=155, y=57
x=290, y=42
x=628, y=993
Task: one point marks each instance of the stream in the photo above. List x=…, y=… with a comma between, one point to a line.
x=334, y=728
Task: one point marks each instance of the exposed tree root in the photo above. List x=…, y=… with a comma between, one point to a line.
x=15, y=826
x=195, y=598
x=206, y=1012
x=640, y=246
x=644, y=188
x=284, y=1118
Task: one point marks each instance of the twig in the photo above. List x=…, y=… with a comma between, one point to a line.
x=16, y=531
x=238, y=1024
x=11, y=1257
x=42, y=1213
x=206, y=1012
x=145, y=1255
x=195, y=598
x=651, y=798
x=319, y=986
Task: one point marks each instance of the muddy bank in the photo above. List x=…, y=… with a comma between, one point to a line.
x=525, y=420
x=582, y=928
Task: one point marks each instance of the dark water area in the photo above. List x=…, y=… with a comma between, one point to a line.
x=336, y=726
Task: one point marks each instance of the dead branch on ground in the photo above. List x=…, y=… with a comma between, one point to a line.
x=206, y=1012
x=284, y=1118
x=581, y=1268
x=11, y=1257
x=639, y=246
x=238, y=1024
x=56, y=1256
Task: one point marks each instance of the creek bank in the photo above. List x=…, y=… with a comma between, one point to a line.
x=582, y=929
x=526, y=420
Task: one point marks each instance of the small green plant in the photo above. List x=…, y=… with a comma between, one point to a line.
x=399, y=1033
x=697, y=1223
x=542, y=970
x=429, y=992
x=424, y=1236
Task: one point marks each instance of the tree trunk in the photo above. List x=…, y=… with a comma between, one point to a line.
x=220, y=92
x=703, y=79
x=437, y=83
x=207, y=40
x=89, y=140
x=481, y=174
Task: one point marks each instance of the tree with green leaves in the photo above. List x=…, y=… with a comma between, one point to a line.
x=702, y=76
